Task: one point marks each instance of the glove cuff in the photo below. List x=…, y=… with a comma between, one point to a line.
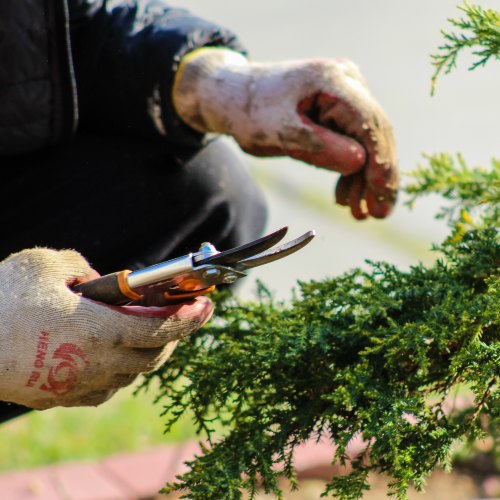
x=208, y=85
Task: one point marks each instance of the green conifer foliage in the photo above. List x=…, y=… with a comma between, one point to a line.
x=478, y=30
x=371, y=353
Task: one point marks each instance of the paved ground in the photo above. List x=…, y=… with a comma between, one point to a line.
x=131, y=476
x=140, y=476
x=119, y=477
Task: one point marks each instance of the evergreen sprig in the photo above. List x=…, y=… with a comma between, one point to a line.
x=371, y=353
x=480, y=28
x=455, y=181
x=473, y=193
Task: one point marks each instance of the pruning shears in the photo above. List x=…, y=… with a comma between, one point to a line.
x=193, y=274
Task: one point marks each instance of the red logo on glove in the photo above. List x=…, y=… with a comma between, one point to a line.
x=63, y=377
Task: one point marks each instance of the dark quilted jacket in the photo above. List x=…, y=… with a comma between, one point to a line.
x=94, y=64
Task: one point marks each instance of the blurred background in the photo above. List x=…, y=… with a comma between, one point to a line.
x=391, y=41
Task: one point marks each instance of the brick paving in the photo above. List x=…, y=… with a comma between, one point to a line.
x=140, y=475
x=128, y=476
x=131, y=476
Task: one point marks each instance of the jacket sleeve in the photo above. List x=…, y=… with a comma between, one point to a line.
x=126, y=53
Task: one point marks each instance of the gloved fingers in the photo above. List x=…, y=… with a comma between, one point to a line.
x=357, y=197
x=316, y=145
x=66, y=265
x=75, y=267
x=124, y=362
x=376, y=138
x=120, y=380
x=92, y=398
x=162, y=356
x=382, y=179
x=92, y=275
x=370, y=127
x=77, y=384
x=150, y=327
x=380, y=205
x=331, y=148
x=342, y=190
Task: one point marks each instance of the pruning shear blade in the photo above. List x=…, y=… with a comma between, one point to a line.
x=277, y=252
x=237, y=254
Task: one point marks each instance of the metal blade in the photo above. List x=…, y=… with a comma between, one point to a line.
x=235, y=255
x=276, y=253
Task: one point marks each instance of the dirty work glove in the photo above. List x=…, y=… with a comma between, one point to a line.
x=59, y=349
x=318, y=111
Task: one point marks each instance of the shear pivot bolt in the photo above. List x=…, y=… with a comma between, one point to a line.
x=229, y=278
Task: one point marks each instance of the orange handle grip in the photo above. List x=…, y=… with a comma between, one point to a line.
x=188, y=295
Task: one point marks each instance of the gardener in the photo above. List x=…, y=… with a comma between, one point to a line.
x=105, y=144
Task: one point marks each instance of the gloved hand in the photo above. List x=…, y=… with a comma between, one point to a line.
x=318, y=111
x=59, y=349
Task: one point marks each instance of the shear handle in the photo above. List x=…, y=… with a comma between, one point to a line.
x=111, y=289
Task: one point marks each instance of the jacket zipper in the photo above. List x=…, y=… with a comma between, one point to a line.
x=64, y=93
